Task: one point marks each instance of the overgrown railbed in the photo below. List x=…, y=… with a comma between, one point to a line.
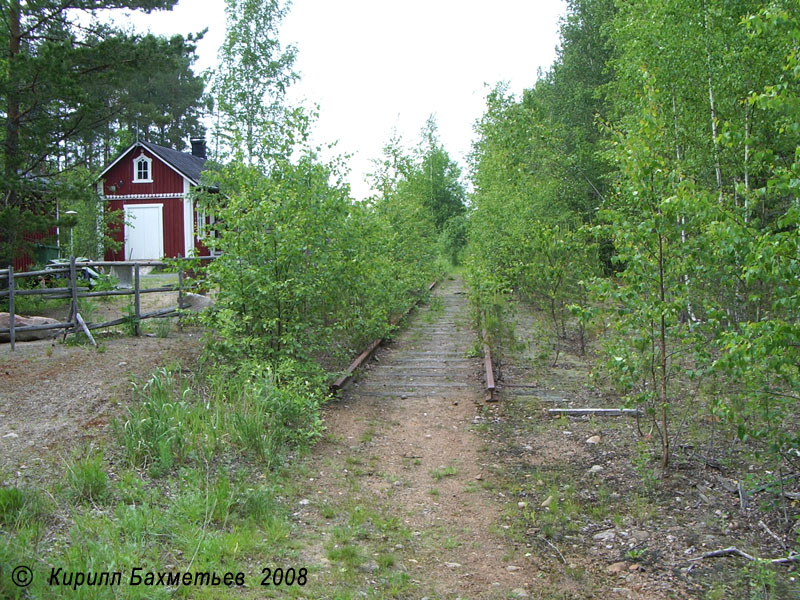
x=590, y=494
x=189, y=479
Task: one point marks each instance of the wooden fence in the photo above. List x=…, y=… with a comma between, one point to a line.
x=76, y=322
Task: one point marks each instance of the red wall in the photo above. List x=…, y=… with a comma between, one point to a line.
x=173, y=225
x=24, y=262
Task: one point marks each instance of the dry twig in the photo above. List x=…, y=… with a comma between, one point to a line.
x=734, y=551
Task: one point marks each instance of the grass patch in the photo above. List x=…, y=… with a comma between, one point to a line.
x=444, y=471
x=20, y=507
x=87, y=480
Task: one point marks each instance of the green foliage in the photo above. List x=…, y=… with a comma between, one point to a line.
x=87, y=233
x=71, y=86
x=435, y=179
x=87, y=479
x=176, y=421
x=440, y=473
x=253, y=124
x=305, y=274
x=453, y=238
x=15, y=222
x=522, y=236
x=644, y=185
x=269, y=419
x=155, y=431
x=20, y=507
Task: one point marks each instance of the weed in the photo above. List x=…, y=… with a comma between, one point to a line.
x=163, y=327
x=367, y=436
x=398, y=584
x=20, y=507
x=131, y=323
x=451, y=543
x=475, y=351
x=386, y=561
x=154, y=435
x=642, y=464
x=87, y=479
x=759, y=578
x=635, y=554
x=131, y=487
x=347, y=554
x=442, y=472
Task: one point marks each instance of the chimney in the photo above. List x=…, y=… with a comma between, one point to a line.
x=199, y=147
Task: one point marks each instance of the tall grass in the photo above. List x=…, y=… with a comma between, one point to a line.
x=177, y=419
x=87, y=479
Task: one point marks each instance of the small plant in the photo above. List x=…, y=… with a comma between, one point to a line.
x=642, y=464
x=475, y=351
x=442, y=472
x=163, y=327
x=19, y=507
x=347, y=555
x=87, y=479
x=636, y=554
x=154, y=433
x=131, y=323
x=759, y=577
x=451, y=543
x=386, y=561
x=87, y=309
x=367, y=436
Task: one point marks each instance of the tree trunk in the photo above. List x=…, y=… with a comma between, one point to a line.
x=712, y=105
x=11, y=144
x=662, y=348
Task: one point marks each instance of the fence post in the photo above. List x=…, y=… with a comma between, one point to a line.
x=73, y=284
x=136, y=303
x=180, y=291
x=11, y=335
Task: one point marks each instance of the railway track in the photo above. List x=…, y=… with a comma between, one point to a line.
x=430, y=368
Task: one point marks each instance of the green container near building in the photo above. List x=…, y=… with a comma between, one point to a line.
x=44, y=253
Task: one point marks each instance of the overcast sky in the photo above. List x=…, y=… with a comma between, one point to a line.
x=376, y=65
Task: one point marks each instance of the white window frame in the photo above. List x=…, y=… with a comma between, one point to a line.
x=136, y=162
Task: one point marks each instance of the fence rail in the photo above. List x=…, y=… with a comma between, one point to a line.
x=76, y=322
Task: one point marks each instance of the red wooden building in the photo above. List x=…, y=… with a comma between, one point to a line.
x=151, y=184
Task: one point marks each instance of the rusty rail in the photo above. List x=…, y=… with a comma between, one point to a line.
x=348, y=373
x=488, y=366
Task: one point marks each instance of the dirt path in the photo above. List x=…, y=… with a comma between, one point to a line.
x=53, y=396
x=401, y=441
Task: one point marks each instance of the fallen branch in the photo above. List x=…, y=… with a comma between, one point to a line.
x=554, y=547
x=734, y=551
x=606, y=412
x=742, y=497
x=773, y=534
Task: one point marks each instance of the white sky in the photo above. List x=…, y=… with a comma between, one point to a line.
x=376, y=65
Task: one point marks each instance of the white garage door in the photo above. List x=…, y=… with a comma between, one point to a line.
x=144, y=231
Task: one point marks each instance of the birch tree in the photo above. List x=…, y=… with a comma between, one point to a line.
x=253, y=123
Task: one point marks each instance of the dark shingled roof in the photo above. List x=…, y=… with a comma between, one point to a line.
x=189, y=165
